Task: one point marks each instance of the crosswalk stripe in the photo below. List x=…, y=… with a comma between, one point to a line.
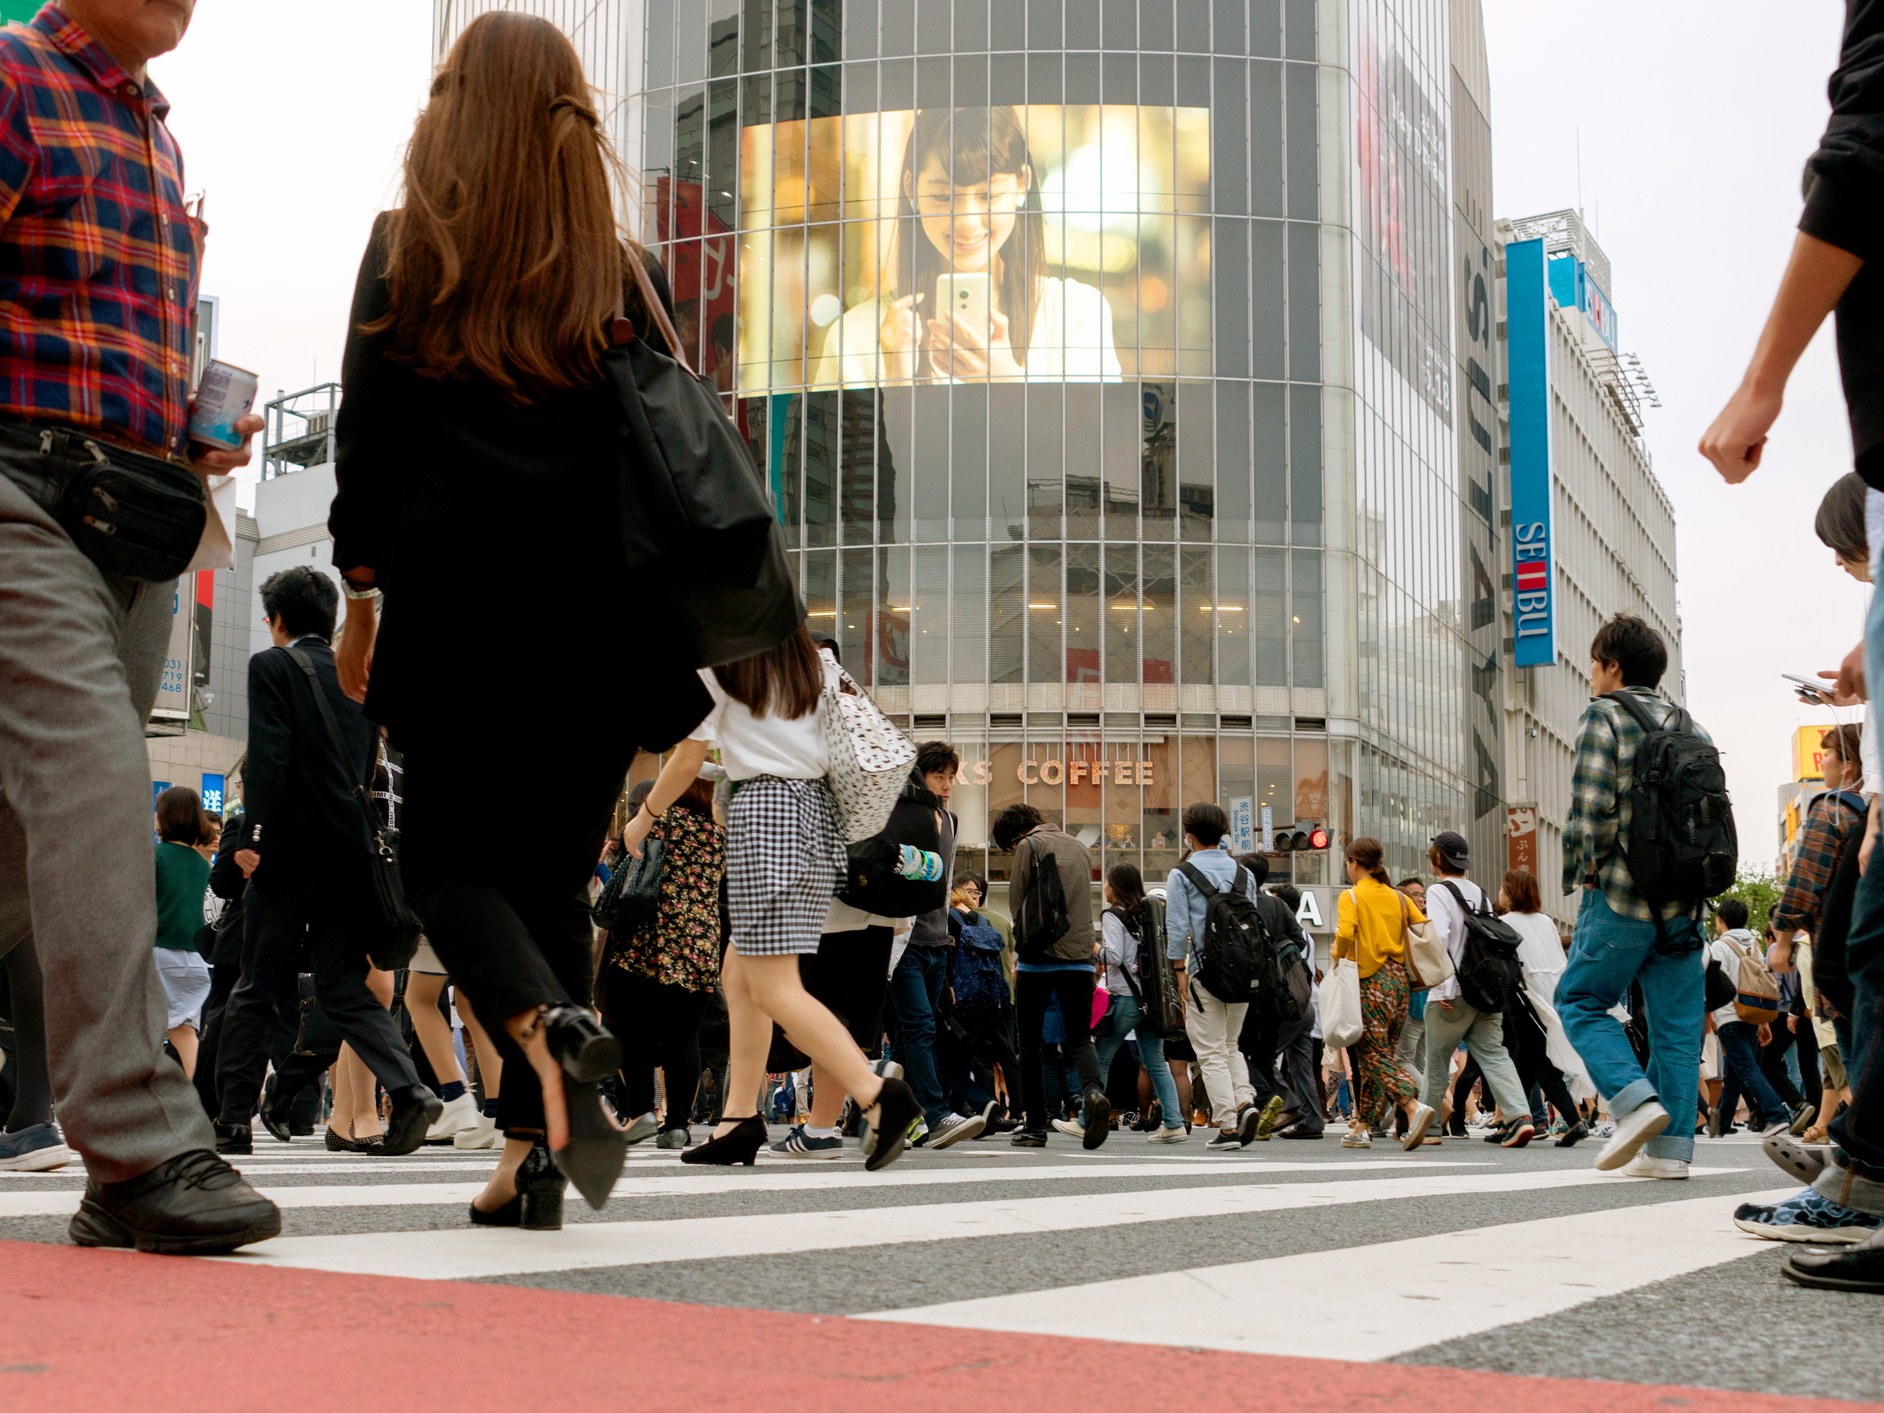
x=710, y=1182
x=447, y=1255
x=1387, y=1299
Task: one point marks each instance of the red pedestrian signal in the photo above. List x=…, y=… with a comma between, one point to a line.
x=1317, y=838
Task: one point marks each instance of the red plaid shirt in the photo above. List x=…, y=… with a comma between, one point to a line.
x=98, y=257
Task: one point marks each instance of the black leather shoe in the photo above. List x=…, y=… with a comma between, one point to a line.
x=1298, y=1130
x=414, y=1110
x=193, y=1205
x=538, y=1205
x=234, y=1139
x=1859, y=1269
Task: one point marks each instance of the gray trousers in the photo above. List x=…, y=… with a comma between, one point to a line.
x=1483, y=1033
x=81, y=657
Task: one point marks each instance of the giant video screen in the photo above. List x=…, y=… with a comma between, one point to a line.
x=1005, y=243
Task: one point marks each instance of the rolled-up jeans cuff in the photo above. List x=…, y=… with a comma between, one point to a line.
x=1629, y=1098
x=1841, y=1184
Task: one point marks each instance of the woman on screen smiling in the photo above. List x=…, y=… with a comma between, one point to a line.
x=985, y=219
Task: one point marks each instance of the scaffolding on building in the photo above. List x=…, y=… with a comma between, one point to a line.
x=299, y=430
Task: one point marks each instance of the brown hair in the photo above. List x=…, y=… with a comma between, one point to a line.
x=787, y=679
x=180, y=817
x=1842, y=742
x=1522, y=893
x=506, y=260
x=1367, y=853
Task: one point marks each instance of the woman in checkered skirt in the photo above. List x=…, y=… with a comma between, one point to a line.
x=785, y=860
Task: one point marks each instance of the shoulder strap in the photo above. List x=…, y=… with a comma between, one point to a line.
x=1198, y=879
x=1677, y=719
x=360, y=793
x=1466, y=907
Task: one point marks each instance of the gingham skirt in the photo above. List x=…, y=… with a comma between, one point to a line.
x=785, y=860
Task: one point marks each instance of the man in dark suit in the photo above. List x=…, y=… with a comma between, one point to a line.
x=304, y=846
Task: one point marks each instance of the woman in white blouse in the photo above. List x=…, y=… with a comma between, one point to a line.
x=1541, y=954
x=968, y=204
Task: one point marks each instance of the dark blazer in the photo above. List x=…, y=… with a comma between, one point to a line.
x=297, y=795
x=425, y=467
x=226, y=882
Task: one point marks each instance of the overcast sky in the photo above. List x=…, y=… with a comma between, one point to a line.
x=1693, y=117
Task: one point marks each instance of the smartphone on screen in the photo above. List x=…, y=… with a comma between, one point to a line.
x=964, y=296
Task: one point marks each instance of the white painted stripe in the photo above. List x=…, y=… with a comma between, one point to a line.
x=416, y=1194
x=1387, y=1299
x=447, y=1255
x=805, y=1176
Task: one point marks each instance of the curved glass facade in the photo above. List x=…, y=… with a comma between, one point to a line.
x=1102, y=358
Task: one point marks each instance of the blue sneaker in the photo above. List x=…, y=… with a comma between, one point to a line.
x=1806, y=1216
x=33, y=1149
x=799, y=1144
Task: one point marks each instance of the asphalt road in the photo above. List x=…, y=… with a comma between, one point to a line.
x=1464, y=1256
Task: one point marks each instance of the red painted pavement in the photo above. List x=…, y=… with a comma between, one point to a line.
x=107, y=1330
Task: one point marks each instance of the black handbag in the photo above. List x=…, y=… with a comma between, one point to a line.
x=696, y=514
x=392, y=928
x=632, y=896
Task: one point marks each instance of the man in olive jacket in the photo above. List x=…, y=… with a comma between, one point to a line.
x=1056, y=967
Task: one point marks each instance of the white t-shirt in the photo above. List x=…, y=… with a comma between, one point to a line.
x=751, y=745
x=1448, y=918
x=1724, y=952
x=1071, y=342
x=1540, y=952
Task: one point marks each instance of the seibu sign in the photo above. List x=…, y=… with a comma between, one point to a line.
x=1065, y=772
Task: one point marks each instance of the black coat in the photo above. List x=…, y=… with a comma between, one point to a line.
x=299, y=809
x=497, y=521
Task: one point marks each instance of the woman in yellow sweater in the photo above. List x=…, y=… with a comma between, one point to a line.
x=1371, y=921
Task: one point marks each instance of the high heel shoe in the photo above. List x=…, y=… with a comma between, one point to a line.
x=538, y=1205
x=897, y=1109
x=739, y=1144
x=598, y=1146
x=580, y=1042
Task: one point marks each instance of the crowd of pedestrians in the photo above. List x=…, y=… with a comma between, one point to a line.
x=916, y=1008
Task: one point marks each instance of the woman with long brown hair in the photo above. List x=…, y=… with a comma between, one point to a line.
x=1371, y=922
x=477, y=414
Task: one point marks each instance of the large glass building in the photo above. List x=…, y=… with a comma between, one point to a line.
x=1124, y=372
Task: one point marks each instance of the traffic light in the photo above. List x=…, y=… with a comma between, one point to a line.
x=1291, y=839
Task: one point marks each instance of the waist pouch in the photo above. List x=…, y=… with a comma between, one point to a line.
x=135, y=516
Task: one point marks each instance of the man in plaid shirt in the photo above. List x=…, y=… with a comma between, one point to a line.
x=98, y=276
x=1619, y=941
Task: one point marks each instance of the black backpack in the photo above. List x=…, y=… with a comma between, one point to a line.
x=1154, y=984
x=1236, y=949
x=1043, y=918
x=1681, y=846
x=1288, y=986
x=871, y=881
x=1489, y=974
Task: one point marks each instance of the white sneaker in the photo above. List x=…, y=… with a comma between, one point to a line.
x=1647, y=1165
x=1632, y=1131
x=1071, y=1127
x=458, y=1115
x=954, y=1129
x=484, y=1134
x=1161, y=1134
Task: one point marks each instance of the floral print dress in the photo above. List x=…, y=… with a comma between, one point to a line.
x=681, y=947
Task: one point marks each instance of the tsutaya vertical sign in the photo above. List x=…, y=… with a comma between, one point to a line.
x=1527, y=306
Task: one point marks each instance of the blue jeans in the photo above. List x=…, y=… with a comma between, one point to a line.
x=1607, y=954
x=1741, y=1074
x=1858, y=1133
x=916, y=988
x=1121, y=1020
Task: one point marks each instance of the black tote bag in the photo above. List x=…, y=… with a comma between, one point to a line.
x=696, y=515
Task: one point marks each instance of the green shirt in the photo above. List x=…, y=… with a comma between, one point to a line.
x=182, y=877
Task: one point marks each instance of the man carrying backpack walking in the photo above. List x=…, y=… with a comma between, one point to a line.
x=1469, y=1006
x=1212, y=926
x=1649, y=840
